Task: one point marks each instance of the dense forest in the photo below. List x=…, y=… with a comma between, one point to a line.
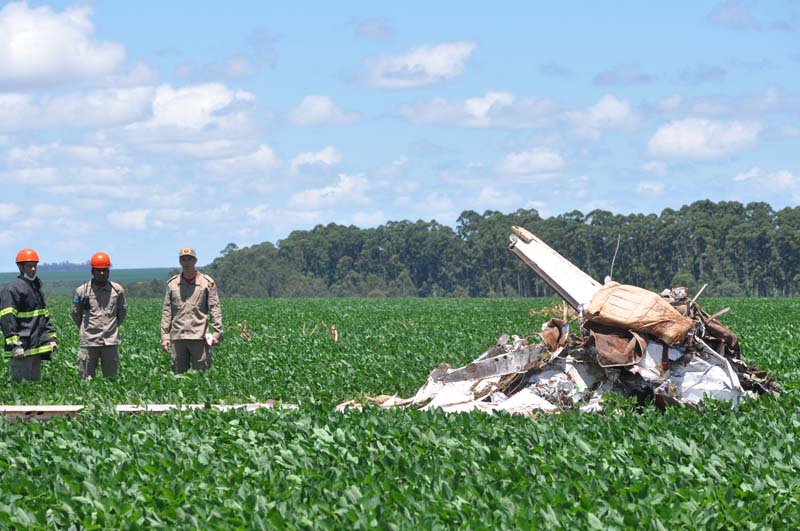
x=737, y=249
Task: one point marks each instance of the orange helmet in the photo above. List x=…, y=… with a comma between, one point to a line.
x=101, y=261
x=27, y=255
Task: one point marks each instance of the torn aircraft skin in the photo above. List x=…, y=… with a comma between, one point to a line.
x=632, y=341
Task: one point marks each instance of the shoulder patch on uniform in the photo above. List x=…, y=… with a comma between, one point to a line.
x=76, y=299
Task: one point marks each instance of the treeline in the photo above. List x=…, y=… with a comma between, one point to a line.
x=737, y=249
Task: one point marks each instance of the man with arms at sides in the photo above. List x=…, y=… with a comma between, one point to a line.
x=98, y=309
x=191, y=318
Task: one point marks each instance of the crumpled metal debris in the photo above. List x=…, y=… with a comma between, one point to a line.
x=632, y=341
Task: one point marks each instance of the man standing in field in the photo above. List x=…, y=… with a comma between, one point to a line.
x=191, y=319
x=98, y=308
x=29, y=335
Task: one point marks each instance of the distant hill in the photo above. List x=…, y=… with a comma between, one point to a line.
x=143, y=282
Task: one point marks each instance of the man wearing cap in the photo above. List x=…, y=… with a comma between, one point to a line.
x=191, y=319
x=98, y=308
x=29, y=335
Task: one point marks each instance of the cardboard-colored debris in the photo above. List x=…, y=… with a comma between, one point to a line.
x=632, y=341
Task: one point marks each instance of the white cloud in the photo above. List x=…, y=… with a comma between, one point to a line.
x=608, y=113
x=129, y=220
x=655, y=167
x=193, y=113
x=493, y=109
x=261, y=160
x=58, y=154
x=99, y=108
x=349, y=189
x=328, y=156
x=424, y=65
x=41, y=47
x=774, y=180
x=320, y=110
x=697, y=138
x=650, y=187
x=491, y=197
x=394, y=168
x=751, y=173
x=8, y=211
x=530, y=162
x=368, y=219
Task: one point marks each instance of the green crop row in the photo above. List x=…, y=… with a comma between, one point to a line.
x=628, y=467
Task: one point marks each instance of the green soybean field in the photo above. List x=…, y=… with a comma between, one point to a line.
x=630, y=466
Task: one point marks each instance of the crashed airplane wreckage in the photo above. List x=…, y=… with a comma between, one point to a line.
x=633, y=341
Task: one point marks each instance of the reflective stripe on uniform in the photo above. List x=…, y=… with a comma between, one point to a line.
x=34, y=313
x=24, y=315
x=39, y=350
x=52, y=335
x=10, y=340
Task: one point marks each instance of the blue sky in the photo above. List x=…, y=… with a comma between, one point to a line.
x=137, y=128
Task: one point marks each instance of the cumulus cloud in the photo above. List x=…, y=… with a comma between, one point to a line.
x=328, y=156
x=626, y=74
x=781, y=180
x=650, y=188
x=703, y=73
x=608, y=113
x=424, y=65
x=697, y=138
x=129, y=220
x=57, y=153
x=41, y=47
x=260, y=161
x=193, y=113
x=349, y=189
x=530, y=162
x=320, y=110
x=99, y=108
x=493, y=109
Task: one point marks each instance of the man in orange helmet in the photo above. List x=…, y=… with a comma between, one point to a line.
x=98, y=308
x=29, y=335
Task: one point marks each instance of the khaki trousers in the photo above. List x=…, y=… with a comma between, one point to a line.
x=88, y=357
x=27, y=368
x=186, y=351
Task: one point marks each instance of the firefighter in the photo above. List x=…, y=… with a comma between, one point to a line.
x=191, y=318
x=98, y=309
x=29, y=335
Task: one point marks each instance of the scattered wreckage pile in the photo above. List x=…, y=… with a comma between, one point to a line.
x=633, y=341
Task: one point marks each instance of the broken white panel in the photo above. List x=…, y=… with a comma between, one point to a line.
x=456, y=396
x=572, y=284
x=523, y=402
x=704, y=377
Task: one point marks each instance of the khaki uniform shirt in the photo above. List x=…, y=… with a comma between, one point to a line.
x=98, y=311
x=191, y=309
